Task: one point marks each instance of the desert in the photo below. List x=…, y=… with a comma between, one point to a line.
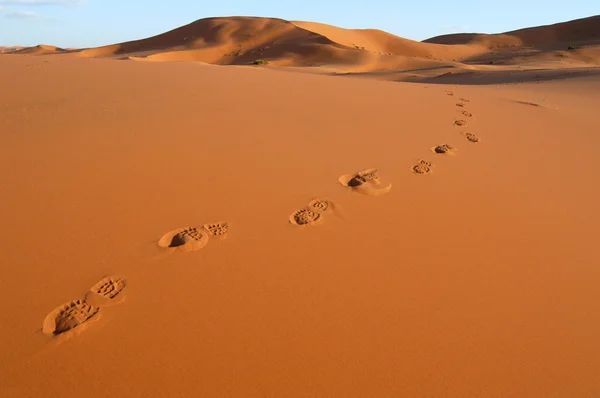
x=258, y=207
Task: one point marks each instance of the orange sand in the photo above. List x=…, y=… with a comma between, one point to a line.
x=477, y=278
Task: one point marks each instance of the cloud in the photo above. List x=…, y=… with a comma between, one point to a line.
x=12, y=13
x=17, y=14
x=42, y=2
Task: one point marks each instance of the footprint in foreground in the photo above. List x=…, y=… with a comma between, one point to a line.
x=107, y=291
x=69, y=316
x=471, y=137
x=72, y=316
x=312, y=214
x=422, y=167
x=366, y=182
x=193, y=238
x=467, y=114
x=460, y=122
x=444, y=149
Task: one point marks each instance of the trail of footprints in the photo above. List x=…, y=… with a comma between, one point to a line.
x=74, y=315
x=463, y=123
x=424, y=167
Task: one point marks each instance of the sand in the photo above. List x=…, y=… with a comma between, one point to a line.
x=477, y=278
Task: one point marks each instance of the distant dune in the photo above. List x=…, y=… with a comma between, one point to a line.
x=586, y=30
x=361, y=52
x=9, y=49
x=40, y=49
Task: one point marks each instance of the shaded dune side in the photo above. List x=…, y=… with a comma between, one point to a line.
x=583, y=31
x=235, y=40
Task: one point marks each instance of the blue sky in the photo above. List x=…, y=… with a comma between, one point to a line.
x=86, y=23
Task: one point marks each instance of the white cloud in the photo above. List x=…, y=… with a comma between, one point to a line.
x=12, y=13
x=42, y=2
x=17, y=14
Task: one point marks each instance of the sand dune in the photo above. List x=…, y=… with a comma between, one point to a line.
x=320, y=48
x=385, y=43
x=236, y=40
x=9, y=49
x=40, y=49
x=586, y=30
x=242, y=40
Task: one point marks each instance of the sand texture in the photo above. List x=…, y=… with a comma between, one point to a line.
x=183, y=229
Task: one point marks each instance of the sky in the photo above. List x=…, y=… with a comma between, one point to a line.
x=90, y=23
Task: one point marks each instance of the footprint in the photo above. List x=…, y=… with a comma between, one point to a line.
x=109, y=287
x=366, y=182
x=362, y=177
x=444, y=149
x=460, y=122
x=320, y=205
x=422, y=167
x=449, y=93
x=107, y=291
x=217, y=230
x=313, y=212
x=185, y=239
x=471, y=137
x=305, y=217
x=460, y=104
x=69, y=316
x=467, y=114
x=464, y=100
